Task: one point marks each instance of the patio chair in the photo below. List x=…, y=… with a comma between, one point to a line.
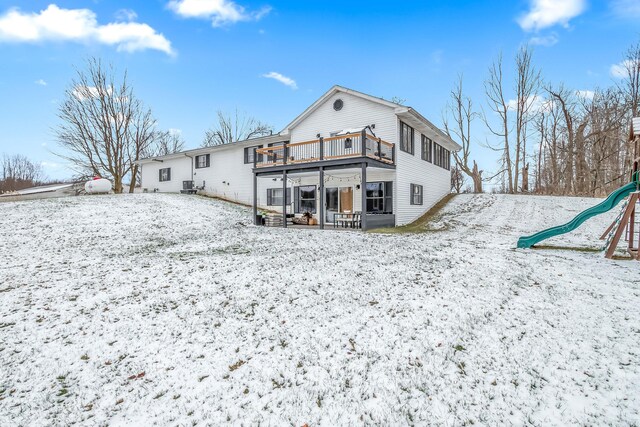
x=346, y=218
x=357, y=219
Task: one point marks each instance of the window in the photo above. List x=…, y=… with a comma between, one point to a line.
x=427, y=149
x=348, y=143
x=164, y=174
x=406, y=138
x=250, y=154
x=274, y=196
x=380, y=197
x=305, y=199
x=416, y=194
x=442, y=157
x=202, y=161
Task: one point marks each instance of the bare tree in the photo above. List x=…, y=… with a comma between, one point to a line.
x=105, y=128
x=457, y=179
x=18, y=172
x=167, y=142
x=631, y=86
x=460, y=107
x=566, y=101
x=494, y=90
x=233, y=128
x=527, y=88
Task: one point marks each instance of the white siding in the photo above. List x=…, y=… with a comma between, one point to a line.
x=230, y=178
x=227, y=176
x=356, y=112
x=180, y=171
x=411, y=169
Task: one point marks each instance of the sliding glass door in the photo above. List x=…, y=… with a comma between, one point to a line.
x=338, y=200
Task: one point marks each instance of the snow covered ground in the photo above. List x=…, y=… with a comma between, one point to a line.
x=174, y=310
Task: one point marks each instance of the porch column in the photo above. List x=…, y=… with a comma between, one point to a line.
x=321, y=197
x=255, y=199
x=284, y=198
x=363, y=191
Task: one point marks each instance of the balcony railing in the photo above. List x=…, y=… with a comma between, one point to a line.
x=336, y=147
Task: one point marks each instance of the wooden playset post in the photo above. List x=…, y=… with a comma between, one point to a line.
x=627, y=218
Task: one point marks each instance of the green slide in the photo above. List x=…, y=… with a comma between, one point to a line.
x=607, y=204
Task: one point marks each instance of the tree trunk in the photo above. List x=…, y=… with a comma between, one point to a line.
x=134, y=177
x=476, y=176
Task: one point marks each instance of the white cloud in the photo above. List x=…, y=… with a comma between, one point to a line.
x=126, y=15
x=40, y=82
x=547, y=13
x=50, y=165
x=132, y=37
x=586, y=94
x=534, y=103
x=548, y=40
x=78, y=25
x=626, y=8
x=621, y=70
x=287, y=81
x=220, y=12
x=86, y=92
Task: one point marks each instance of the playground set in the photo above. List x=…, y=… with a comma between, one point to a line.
x=624, y=224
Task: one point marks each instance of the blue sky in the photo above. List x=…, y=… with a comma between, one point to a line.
x=189, y=58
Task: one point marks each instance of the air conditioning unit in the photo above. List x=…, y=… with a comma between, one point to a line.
x=636, y=125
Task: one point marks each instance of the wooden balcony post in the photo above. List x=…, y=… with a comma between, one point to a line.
x=321, y=140
x=284, y=198
x=284, y=153
x=363, y=189
x=321, y=208
x=255, y=199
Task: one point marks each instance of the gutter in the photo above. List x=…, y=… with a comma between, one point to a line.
x=430, y=125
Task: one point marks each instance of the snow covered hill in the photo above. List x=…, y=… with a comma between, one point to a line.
x=175, y=310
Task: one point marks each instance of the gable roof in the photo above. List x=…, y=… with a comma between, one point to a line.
x=269, y=139
x=400, y=110
x=335, y=89
x=408, y=114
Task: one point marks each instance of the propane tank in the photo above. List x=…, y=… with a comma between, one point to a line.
x=97, y=186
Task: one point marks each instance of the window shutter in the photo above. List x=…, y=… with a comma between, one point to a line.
x=168, y=174
x=269, y=197
x=159, y=174
x=208, y=160
x=388, y=194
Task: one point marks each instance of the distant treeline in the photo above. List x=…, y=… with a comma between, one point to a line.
x=552, y=139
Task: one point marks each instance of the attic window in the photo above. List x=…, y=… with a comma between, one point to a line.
x=337, y=105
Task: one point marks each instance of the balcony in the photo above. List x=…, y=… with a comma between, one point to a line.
x=353, y=145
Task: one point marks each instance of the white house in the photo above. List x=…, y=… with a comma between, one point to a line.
x=321, y=161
